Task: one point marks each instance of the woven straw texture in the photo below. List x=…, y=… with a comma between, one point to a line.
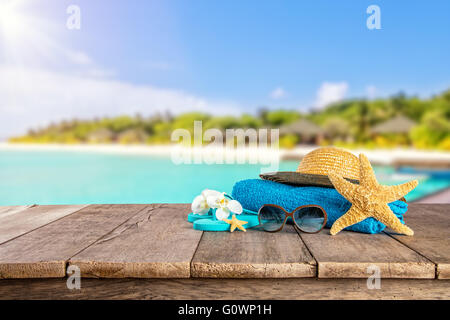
x=330, y=159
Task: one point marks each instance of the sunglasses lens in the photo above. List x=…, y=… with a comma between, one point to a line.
x=309, y=219
x=271, y=218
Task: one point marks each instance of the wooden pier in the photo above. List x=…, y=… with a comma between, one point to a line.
x=151, y=251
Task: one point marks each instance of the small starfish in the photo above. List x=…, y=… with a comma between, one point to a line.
x=370, y=199
x=235, y=223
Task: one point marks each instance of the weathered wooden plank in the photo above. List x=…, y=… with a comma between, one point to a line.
x=156, y=243
x=43, y=253
x=350, y=254
x=230, y=289
x=10, y=210
x=18, y=222
x=431, y=225
x=253, y=254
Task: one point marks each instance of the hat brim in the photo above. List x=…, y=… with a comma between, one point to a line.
x=301, y=179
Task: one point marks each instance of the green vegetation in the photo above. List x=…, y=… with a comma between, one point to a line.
x=349, y=123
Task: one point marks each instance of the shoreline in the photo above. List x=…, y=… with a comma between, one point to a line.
x=379, y=156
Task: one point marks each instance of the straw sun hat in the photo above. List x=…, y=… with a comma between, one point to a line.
x=314, y=168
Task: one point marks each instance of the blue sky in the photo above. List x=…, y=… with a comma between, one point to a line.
x=226, y=55
x=242, y=50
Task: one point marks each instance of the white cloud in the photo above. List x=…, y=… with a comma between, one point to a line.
x=95, y=72
x=78, y=57
x=35, y=97
x=371, y=91
x=330, y=92
x=44, y=79
x=278, y=93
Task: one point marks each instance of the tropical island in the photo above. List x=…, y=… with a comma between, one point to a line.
x=399, y=120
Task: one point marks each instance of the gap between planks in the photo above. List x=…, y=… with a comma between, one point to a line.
x=421, y=268
x=155, y=243
x=43, y=253
x=253, y=254
x=431, y=239
x=347, y=255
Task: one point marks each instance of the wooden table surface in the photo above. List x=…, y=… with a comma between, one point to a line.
x=155, y=241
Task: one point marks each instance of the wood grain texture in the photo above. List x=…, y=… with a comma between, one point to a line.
x=20, y=222
x=156, y=243
x=197, y=289
x=43, y=253
x=253, y=254
x=431, y=225
x=349, y=254
x=10, y=210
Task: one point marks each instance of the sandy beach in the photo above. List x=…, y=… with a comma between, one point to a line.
x=379, y=156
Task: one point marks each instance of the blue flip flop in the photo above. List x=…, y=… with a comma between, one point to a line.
x=208, y=222
x=195, y=216
x=218, y=225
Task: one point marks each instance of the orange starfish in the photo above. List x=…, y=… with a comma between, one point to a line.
x=370, y=199
x=235, y=223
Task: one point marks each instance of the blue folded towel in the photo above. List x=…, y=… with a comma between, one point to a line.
x=254, y=193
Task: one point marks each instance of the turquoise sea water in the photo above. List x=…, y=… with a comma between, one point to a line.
x=68, y=177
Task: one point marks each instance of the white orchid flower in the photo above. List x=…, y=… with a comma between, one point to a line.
x=223, y=205
x=200, y=204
